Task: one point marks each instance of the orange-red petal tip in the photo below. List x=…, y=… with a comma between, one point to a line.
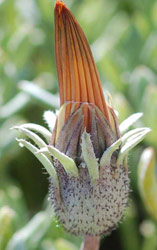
x=78, y=78
x=59, y=6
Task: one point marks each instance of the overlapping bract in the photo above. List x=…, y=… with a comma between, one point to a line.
x=89, y=194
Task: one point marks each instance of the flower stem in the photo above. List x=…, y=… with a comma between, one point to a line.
x=90, y=243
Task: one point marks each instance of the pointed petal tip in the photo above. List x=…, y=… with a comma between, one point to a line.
x=59, y=3
x=59, y=6
x=77, y=74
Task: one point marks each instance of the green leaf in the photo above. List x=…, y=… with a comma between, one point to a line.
x=39, y=94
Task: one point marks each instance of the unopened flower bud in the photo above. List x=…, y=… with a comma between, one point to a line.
x=86, y=156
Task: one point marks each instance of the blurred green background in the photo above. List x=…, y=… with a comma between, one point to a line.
x=123, y=38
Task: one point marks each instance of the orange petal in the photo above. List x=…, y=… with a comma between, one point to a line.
x=77, y=74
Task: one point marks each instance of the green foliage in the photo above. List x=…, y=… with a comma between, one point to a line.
x=123, y=38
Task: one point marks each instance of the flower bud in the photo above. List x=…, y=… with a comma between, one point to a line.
x=86, y=156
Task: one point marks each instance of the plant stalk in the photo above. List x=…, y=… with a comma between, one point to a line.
x=90, y=243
